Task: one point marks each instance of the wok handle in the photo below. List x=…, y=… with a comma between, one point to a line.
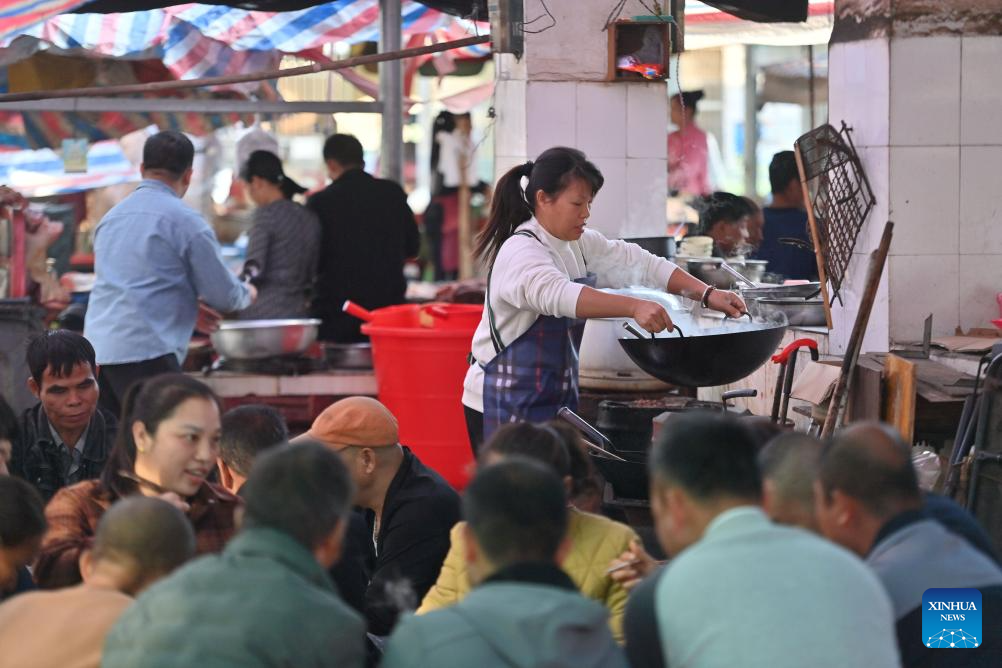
x=351, y=308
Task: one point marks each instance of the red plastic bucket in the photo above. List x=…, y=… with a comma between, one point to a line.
x=420, y=357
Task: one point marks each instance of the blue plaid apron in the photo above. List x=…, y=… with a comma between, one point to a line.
x=532, y=377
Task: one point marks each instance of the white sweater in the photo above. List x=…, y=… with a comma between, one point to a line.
x=531, y=279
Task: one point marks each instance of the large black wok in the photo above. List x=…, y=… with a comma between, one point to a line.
x=717, y=357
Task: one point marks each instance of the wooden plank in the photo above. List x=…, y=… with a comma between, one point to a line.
x=865, y=399
x=899, y=406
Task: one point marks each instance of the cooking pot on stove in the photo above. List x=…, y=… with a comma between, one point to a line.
x=603, y=364
x=260, y=339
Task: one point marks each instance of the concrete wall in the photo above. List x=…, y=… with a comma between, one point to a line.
x=556, y=96
x=925, y=113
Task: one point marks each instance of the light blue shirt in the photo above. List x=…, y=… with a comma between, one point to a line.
x=754, y=594
x=154, y=258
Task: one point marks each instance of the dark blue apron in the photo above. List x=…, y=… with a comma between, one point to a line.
x=532, y=377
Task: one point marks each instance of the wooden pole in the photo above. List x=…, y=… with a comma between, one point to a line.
x=158, y=86
x=836, y=408
x=819, y=251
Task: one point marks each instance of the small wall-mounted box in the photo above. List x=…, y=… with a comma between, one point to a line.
x=640, y=49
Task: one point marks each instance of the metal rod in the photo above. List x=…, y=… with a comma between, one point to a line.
x=811, y=81
x=751, y=121
x=579, y=423
x=391, y=93
x=738, y=275
x=156, y=86
x=633, y=330
x=183, y=105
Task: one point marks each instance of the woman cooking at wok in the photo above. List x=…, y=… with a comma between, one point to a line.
x=545, y=268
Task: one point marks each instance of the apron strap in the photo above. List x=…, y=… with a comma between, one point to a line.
x=495, y=334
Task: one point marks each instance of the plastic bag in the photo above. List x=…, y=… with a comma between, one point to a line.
x=928, y=467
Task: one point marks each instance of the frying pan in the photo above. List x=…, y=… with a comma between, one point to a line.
x=704, y=358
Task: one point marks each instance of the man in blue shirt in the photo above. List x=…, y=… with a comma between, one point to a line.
x=155, y=258
x=786, y=218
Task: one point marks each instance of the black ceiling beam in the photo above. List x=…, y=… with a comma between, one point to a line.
x=763, y=11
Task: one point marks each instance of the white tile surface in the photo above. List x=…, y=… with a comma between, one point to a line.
x=646, y=190
x=609, y=211
x=510, y=129
x=859, y=93
x=920, y=285
x=924, y=199
x=980, y=203
x=925, y=91
x=551, y=118
x=876, y=166
x=601, y=119
x=844, y=313
x=981, y=81
x=575, y=48
x=502, y=163
x=980, y=282
x=647, y=121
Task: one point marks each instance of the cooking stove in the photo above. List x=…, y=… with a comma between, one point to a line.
x=270, y=366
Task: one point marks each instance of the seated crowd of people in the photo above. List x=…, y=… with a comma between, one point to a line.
x=177, y=535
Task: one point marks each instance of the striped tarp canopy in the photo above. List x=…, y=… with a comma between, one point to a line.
x=40, y=173
x=191, y=41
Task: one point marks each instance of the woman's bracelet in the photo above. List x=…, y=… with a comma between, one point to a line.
x=705, y=301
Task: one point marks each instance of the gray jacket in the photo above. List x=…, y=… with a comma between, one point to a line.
x=527, y=615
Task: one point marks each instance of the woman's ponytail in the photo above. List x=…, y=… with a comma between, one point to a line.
x=553, y=171
x=509, y=209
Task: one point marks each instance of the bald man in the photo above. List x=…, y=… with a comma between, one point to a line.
x=138, y=541
x=868, y=500
x=789, y=465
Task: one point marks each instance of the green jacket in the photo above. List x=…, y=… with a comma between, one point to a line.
x=522, y=618
x=265, y=601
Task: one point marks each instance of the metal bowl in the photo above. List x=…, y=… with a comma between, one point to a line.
x=348, y=355
x=260, y=339
x=708, y=270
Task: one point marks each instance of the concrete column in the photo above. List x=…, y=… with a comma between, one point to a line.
x=556, y=95
x=918, y=81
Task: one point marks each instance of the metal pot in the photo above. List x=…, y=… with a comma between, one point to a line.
x=708, y=357
x=348, y=355
x=708, y=270
x=260, y=339
x=753, y=270
x=799, y=312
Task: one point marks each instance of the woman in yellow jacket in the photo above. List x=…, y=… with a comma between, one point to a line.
x=596, y=540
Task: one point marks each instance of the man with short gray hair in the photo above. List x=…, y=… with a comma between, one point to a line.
x=155, y=260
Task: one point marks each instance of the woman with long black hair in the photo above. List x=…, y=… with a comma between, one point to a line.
x=545, y=266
